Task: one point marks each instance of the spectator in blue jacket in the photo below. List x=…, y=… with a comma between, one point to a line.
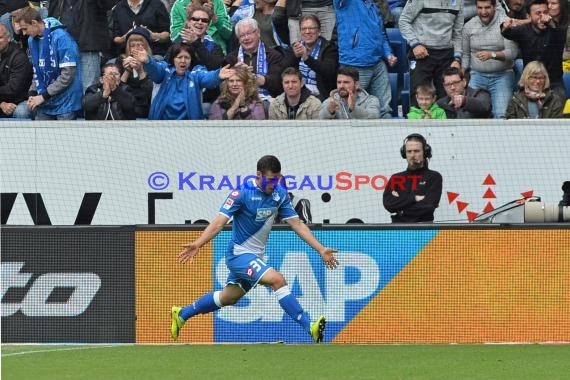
x=364, y=45
x=180, y=94
x=56, y=92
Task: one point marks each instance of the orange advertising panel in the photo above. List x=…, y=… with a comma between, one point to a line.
x=472, y=287
x=161, y=282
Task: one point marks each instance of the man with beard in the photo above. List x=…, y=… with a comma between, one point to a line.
x=413, y=195
x=349, y=101
x=489, y=56
x=461, y=101
x=515, y=9
x=540, y=40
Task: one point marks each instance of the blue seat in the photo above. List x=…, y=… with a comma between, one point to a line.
x=405, y=95
x=566, y=79
x=399, y=73
x=395, y=101
x=400, y=49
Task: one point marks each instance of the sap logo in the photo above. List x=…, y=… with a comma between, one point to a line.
x=331, y=300
x=264, y=213
x=256, y=198
x=35, y=303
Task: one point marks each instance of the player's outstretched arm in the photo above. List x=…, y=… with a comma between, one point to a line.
x=301, y=229
x=191, y=250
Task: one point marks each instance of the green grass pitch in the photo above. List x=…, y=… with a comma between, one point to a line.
x=282, y=361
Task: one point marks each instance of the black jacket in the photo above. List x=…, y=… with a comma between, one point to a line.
x=546, y=46
x=326, y=67
x=11, y=5
x=274, y=68
x=119, y=106
x=478, y=105
x=326, y=64
x=141, y=89
x=404, y=207
x=90, y=28
x=15, y=75
x=211, y=56
x=153, y=15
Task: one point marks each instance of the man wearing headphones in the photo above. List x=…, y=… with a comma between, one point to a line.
x=413, y=195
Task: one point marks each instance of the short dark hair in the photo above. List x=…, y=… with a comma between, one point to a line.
x=175, y=49
x=453, y=71
x=493, y=2
x=535, y=2
x=269, y=163
x=310, y=17
x=292, y=71
x=116, y=66
x=349, y=72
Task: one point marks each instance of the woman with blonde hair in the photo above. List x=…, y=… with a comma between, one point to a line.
x=534, y=99
x=239, y=99
x=134, y=74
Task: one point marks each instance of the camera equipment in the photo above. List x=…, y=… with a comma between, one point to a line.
x=528, y=210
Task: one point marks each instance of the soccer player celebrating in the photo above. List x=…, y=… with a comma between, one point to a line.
x=253, y=208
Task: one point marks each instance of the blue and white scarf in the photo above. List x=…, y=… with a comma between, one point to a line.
x=43, y=57
x=261, y=65
x=308, y=74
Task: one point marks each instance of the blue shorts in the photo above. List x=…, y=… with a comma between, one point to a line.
x=245, y=270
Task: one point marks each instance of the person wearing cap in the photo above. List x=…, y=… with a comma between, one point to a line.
x=151, y=14
x=179, y=96
x=134, y=74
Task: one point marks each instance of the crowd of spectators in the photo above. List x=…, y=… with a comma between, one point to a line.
x=281, y=59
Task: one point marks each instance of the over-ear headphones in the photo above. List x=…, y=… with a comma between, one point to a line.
x=416, y=136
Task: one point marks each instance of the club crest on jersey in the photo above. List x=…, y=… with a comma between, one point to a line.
x=249, y=272
x=234, y=194
x=276, y=197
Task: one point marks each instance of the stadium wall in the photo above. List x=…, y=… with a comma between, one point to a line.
x=458, y=283
x=65, y=173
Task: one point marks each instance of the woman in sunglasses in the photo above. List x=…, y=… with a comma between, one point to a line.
x=207, y=52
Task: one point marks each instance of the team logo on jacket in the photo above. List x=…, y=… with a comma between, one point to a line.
x=276, y=197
